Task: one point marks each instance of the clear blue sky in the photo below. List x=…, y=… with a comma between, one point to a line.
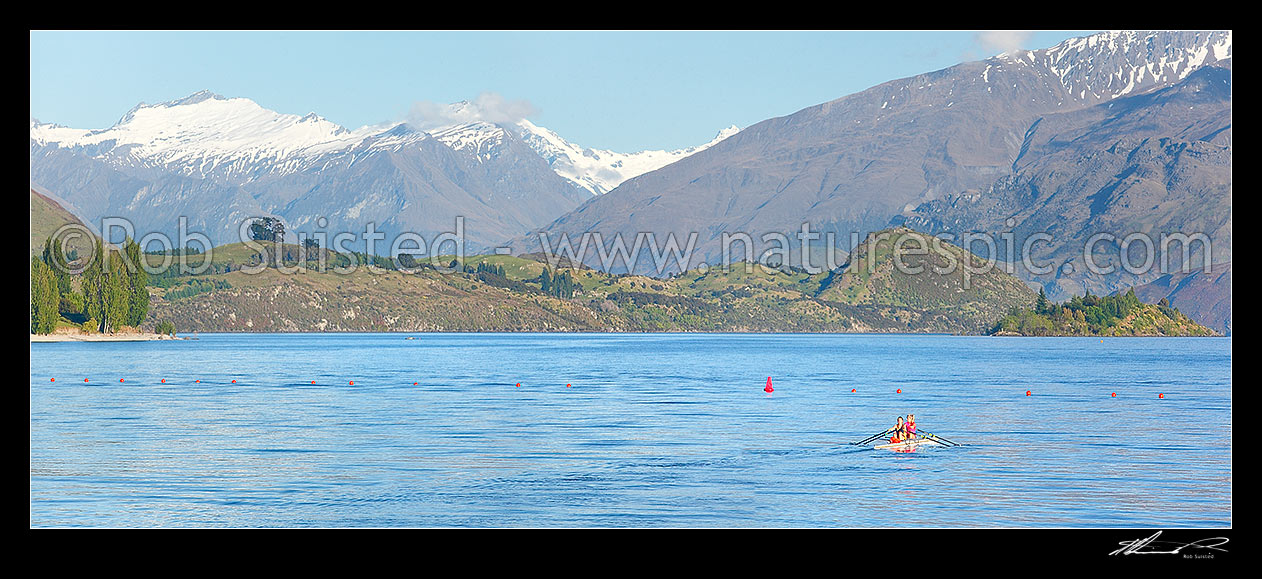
x=624, y=91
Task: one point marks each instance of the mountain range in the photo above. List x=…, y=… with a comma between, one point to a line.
x=1115, y=133
x=218, y=161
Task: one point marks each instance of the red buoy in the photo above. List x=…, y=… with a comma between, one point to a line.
x=519, y=384
x=164, y=380
x=85, y=379
x=120, y=379
x=234, y=381
x=52, y=379
x=313, y=381
x=852, y=389
x=1027, y=392
x=769, y=389
x=415, y=383
x=197, y=381
x=1114, y=395
x=352, y=382
x=1161, y=396
x=567, y=385
x=899, y=391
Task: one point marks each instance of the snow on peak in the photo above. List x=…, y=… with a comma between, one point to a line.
x=1112, y=64
x=207, y=134
x=479, y=139
x=236, y=139
x=598, y=170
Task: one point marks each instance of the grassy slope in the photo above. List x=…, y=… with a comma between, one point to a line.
x=47, y=216
x=711, y=300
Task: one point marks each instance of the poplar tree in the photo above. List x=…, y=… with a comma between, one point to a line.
x=137, y=278
x=94, y=296
x=117, y=292
x=44, y=298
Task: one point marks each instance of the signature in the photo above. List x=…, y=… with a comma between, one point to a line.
x=1151, y=545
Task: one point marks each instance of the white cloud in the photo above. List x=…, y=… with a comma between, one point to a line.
x=488, y=107
x=997, y=41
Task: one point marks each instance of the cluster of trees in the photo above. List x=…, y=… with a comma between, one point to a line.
x=111, y=292
x=192, y=287
x=267, y=229
x=560, y=285
x=1081, y=314
x=188, y=250
x=490, y=269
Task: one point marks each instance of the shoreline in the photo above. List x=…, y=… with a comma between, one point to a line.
x=131, y=337
x=155, y=337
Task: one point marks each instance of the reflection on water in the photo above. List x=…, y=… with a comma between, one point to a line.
x=656, y=430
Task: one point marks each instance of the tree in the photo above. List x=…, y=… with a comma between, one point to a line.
x=137, y=279
x=267, y=229
x=94, y=296
x=165, y=327
x=1040, y=305
x=117, y=294
x=56, y=260
x=311, y=248
x=44, y=298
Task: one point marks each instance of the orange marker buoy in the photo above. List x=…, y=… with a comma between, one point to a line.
x=1114, y=395
x=769, y=389
x=313, y=381
x=52, y=379
x=352, y=382
x=120, y=379
x=415, y=383
x=234, y=381
x=899, y=391
x=1027, y=392
x=197, y=381
x=852, y=389
x=519, y=384
x=1161, y=396
x=164, y=380
x=85, y=379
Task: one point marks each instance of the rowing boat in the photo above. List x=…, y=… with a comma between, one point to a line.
x=907, y=444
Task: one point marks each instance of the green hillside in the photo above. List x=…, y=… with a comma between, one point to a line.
x=951, y=282
x=513, y=293
x=1119, y=315
x=47, y=216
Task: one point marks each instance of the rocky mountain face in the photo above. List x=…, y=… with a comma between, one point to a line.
x=1116, y=132
x=1203, y=295
x=218, y=161
x=1156, y=164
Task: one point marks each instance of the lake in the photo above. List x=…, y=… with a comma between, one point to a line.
x=629, y=430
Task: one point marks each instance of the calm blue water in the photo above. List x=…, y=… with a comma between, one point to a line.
x=657, y=430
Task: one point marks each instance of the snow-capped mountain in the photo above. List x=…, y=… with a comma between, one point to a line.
x=1105, y=66
x=1008, y=134
x=206, y=135
x=599, y=170
x=224, y=159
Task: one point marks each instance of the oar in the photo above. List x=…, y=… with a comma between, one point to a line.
x=939, y=438
x=874, y=436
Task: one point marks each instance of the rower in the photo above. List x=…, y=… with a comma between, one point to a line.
x=900, y=431
x=910, y=427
